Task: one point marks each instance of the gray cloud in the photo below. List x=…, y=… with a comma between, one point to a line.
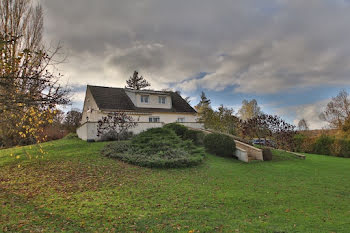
x=256, y=46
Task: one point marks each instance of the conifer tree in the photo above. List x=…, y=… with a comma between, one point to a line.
x=204, y=102
x=135, y=82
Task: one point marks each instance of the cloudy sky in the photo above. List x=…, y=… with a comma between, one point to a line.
x=292, y=56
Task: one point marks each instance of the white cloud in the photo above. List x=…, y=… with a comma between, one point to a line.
x=309, y=112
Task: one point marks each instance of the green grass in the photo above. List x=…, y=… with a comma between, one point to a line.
x=75, y=189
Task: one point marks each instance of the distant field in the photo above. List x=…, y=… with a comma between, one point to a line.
x=319, y=132
x=75, y=189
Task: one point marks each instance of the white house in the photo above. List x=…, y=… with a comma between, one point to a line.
x=148, y=108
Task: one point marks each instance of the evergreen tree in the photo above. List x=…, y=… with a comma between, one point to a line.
x=135, y=82
x=204, y=102
x=205, y=112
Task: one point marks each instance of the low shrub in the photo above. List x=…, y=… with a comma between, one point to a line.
x=308, y=145
x=196, y=136
x=220, y=144
x=267, y=154
x=114, y=148
x=323, y=145
x=114, y=136
x=299, y=140
x=156, y=148
x=179, y=129
x=340, y=148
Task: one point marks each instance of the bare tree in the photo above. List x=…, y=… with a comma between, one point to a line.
x=117, y=123
x=337, y=110
x=136, y=82
x=249, y=109
x=303, y=125
x=26, y=84
x=263, y=126
x=72, y=120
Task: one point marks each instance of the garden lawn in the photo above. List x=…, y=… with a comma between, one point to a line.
x=75, y=189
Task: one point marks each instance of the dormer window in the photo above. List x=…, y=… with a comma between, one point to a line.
x=161, y=99
x=144, y=99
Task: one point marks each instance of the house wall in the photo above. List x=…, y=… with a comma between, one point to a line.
x=166, y=117
x=89, y=103
x=82, y=132
x=88, y=130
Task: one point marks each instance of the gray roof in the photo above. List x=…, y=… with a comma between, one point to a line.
x=111, y=98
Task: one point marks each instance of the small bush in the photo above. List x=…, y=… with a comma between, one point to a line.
x=196, y=136
x=267, y=154
x=220, y=144
x=157, y=147
x=113, y=136
x=114, y=148
x=340, y=148
x=179, y=129
x=323, y=145
x=299, y=140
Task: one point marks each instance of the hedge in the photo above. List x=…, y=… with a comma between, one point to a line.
x=324, y=145
x=220, y=144
x=179, y=129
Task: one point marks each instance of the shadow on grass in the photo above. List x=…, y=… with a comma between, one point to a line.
x=26, y=215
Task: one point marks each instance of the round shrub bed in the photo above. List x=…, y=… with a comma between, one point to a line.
x=156, y=148
x=183, y=132
x=220, y=144
x=196, y=136
x=179, y=129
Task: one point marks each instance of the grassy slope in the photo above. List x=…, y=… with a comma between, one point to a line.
x=75, y=189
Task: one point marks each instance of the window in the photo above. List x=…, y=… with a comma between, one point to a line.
x=161, y=99
x=181, y=119
x=154, y=119
x=144, y=98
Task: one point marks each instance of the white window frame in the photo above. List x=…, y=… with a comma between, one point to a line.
x=143, y=98
x=181, y=119
x=161, y=98
x=151, y=119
